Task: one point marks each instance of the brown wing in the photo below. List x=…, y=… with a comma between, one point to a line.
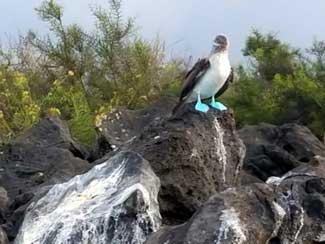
x=193, y=76
x=191, y=79
x=230, y=79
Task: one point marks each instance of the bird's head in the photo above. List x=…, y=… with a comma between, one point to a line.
x=220, y=43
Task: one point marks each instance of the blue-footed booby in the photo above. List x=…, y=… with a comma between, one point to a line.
x=209, y=78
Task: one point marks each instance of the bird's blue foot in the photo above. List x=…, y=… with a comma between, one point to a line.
x=201, y=107
x=218, y=105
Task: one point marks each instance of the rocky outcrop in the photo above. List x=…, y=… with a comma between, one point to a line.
x=100, y=148
x=122, y=125
x=115, y=202
x=195, y=155
x=4, y=202
x=234, y=216
x=286, y=210
x=52, y=132
x=275, y=150
x=3, y=237
x=300, y=194
x=205, y=196
x=45, y=155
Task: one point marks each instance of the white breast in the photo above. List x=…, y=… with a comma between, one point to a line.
x=214, y=78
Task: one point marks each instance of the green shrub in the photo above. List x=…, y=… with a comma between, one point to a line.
x=280, y=84
x=78, y=75
x=18, y=110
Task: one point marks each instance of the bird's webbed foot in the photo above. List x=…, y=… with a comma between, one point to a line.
x=199, y=106
x=217, y=105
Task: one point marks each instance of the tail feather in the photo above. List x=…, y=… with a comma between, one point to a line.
x=178, y=107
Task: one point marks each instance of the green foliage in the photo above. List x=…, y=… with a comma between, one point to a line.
x=250, y=99
x=81, y=124
x=269, y=56
x=70, y=103
x=59, y=97
x=18, y=110
x=316, y=61
x=78, y=75
x=146, y=76
x=280, y=85
x=65, y=48
x=112, y=64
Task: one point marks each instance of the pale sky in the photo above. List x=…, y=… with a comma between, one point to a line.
x=188, y=26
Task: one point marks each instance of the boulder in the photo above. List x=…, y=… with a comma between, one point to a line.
x=290, y=209
x=100, y=148
x=115, y=202
x=4, y=204
x=238, y=215
x=301, y=194
x=33, y=161
x=45, y=154
x=3, y=237
x=4, y=201
x=275, y=150
x=25, y=167
x=122, y=125
x=195, y=155
x=52, y=132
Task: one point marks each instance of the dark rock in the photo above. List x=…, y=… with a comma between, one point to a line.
x=52, y=132
x=300, y=193
x=122, y=125
x=25, y=167
x=115, y=202
x=45, y=155
x=290, y=209
x=4, y=200
x=195, y=155
x=248, y=179
x=4, y=204
x=275, y=150
x=16, y=213
x=14, y=221
x=100, y=149
x=3, y=237
x=242, y=215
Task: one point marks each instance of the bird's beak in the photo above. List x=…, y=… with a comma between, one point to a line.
x=215, y=44
x=214, y=47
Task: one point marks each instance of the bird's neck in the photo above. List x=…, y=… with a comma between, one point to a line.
x=219, y=48
x=219, y=56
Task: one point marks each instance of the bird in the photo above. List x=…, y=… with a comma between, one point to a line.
x=208, y=78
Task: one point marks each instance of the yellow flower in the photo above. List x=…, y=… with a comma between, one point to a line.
x=70, y=73
x=98, y=119
x=56, y=82
x=25, y=93
x=144, y=98
x=54, y=112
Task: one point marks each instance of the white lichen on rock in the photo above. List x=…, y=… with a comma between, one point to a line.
x=221, y=149
x=90, y=208
x=279, y=214
x=242, y=154
x=273, y=180
x=230, y=227
x=301, y=224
